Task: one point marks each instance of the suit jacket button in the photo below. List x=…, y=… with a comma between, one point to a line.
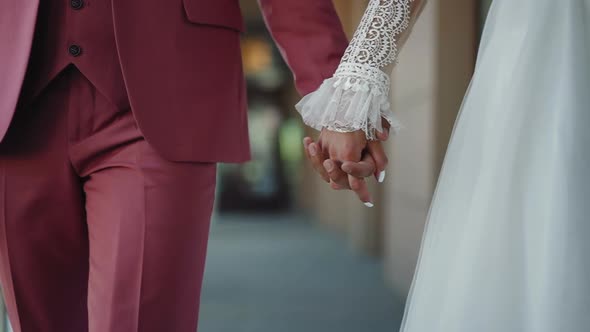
x=77, y=4
x=75, y=50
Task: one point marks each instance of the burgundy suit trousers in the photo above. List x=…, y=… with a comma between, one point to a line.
x=98, y=233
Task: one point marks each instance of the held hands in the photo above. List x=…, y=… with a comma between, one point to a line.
x=344, y=160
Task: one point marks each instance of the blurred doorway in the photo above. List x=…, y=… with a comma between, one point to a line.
x=266, y=183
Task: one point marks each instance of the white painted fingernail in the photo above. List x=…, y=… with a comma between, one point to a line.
x=381, y=177
x=369, y=204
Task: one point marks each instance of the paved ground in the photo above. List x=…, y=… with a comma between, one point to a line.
x=279, y=274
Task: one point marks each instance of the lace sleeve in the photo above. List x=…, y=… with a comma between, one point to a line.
x=357, y=96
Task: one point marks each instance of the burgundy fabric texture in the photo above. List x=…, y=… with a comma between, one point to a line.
x=107, y=159
x=98, y=231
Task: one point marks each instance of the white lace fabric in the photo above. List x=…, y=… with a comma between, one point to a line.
x=357, y=96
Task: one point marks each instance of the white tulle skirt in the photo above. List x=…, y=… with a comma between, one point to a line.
x=507, y=244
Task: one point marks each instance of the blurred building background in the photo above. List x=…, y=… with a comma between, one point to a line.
x=289, y=254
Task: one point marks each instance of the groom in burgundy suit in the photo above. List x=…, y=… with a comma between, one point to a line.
x=113, y=115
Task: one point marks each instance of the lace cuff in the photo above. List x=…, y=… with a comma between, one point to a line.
x=351, y=100
x=357, y=96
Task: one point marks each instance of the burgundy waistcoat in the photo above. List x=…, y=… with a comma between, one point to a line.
x=81, y=33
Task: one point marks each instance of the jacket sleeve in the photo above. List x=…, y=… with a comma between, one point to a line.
x=310, y=37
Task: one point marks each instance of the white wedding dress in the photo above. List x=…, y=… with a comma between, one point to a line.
x=507, y=243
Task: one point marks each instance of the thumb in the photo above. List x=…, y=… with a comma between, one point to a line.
x=361, y=169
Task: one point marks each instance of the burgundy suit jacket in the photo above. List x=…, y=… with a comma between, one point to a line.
x=181, y=62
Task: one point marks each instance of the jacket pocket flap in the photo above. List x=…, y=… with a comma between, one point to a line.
x=222, y=13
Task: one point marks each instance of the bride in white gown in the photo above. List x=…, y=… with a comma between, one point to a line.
x=507, y=243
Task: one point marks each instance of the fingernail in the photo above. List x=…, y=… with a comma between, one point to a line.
x=369, y=204
x=329, y=165
x=312, y=150
x=381, y=177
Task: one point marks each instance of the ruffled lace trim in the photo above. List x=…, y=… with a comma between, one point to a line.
x=350, y=103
